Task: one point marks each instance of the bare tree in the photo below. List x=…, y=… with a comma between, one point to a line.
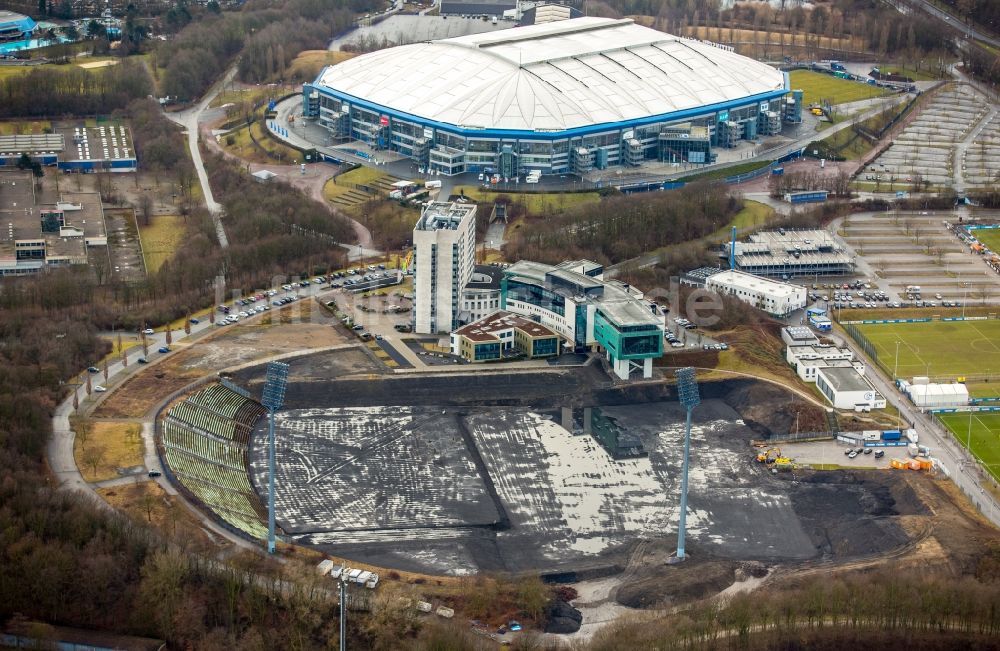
x=92, y=457
x=145, y=209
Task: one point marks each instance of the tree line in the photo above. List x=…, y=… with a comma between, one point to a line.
x=622, y=227
x=48, y=91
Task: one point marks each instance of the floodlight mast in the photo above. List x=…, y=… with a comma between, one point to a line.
x=273, y=398
x=687, y=394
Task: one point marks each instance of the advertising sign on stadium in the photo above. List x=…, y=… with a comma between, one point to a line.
x=764, y=106
x=384, y=120
x=723, y=116
x=428, y=133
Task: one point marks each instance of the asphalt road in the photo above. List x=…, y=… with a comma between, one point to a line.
x=59, y=449
x=188, y=119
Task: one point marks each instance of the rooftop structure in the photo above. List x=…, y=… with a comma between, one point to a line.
x=771, y=296
x=15, y=26
x=798, y=335
x=562, y=75
x=587, y=92
x=574, y=300
x=35, y=235
x=444, y=215
x=89, y=149
x=481, y=295
x=846, y=388
x=792, y=252
x=501, y=333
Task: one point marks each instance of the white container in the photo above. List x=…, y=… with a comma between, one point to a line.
x=372, y=582
x=911, y=436
x=336, y=572
x=324, y=567
x=353, y=575
x=363, y=578
x=424, y=606
x=445, y=612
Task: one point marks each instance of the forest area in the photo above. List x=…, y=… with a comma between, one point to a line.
x=622, y=227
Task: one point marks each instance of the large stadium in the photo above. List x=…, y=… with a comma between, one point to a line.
x=564, y=97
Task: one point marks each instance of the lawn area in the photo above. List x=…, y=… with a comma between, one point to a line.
x=537, y=204
x=239, y=143
x=908, y=71
x=360, y=176
x=817, y=86
x=308, y=63
x=17, y=127
x=725, y=172
x=982, y=438
x=940, y=349
x=161, y=239
x=852, y=146
x=101, y=448
x=989, y=237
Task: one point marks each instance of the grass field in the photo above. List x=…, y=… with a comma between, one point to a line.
x=308, y=63
x=725, y=172
x=984, y=438
x=161, y=239
x=942, y=349
x=536, y=204
x=989, y=238
x=817, y=86
x=108, y=447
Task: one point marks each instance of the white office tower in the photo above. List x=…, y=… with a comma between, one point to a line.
x=444, y=242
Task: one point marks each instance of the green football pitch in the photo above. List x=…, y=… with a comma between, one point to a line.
x=940, y=349
x=989, y=237
x=983, y=439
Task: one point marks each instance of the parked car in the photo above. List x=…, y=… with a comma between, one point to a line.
x=879, y=454
x=143, y=360
x=93, y=369
x=868, y=450
x=154, y=473
x=195, y=321
x=100, y=389
x=149, y=331
x=164, y=349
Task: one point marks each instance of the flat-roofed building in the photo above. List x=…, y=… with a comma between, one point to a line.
x=773, y=297
x=792, y=253
x=590, y=313
x=34, y=236
x=846, y=388
x=504, y=334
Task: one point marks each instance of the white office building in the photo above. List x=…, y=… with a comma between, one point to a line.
x=775, y=298
x=444, y=242
x=846, y=388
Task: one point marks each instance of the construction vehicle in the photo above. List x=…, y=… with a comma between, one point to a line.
x=769, y=456
x=784, y=463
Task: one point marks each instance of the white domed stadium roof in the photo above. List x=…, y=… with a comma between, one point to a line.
x=552, y=77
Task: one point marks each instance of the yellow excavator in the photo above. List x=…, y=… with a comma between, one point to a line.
x=769, y=455
x=773, y=456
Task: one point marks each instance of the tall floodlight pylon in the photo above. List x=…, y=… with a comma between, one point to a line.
x=687, y=394
x=273, y=399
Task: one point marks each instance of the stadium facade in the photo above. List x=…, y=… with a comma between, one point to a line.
x=15, y=26
x=567, y=96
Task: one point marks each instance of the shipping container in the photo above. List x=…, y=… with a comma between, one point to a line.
x=891, y=435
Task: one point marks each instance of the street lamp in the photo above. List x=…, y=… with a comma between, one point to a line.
x=274, y=396
x=687, y=394
x=895, y=368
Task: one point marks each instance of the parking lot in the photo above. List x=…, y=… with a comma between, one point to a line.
x=927, y=146
x=906, y=249
x=123, y=245
x=835, y=453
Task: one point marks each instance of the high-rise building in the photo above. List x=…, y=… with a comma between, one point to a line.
x=444, y=242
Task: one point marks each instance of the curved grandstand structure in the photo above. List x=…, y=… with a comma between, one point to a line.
x=564, y=96
x=204, y=442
